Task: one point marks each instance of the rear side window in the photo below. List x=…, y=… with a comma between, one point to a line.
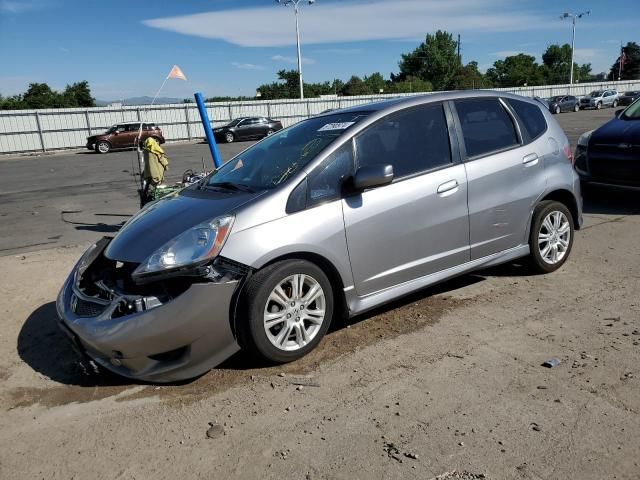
x=412, y=141
x=486, y=126
x=531, y=118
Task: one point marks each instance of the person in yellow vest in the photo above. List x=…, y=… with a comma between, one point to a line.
x=155, y=164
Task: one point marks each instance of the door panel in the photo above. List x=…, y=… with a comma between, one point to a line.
x=407, y=229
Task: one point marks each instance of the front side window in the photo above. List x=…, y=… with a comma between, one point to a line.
x=277, y=158
x=531, y=118
x=326, y=180
x=486, y=126
x=412, y=141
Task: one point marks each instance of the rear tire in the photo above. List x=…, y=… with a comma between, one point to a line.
x=614, y=104
x=291, y=298
x=598, y=105
x=576, y=108
x=103, y=147
x=551, y=236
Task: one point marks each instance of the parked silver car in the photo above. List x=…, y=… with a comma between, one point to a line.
x=331, y=217
x=600, y=98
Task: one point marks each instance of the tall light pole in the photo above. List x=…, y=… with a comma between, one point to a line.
x=573, y=35
x=295, y=3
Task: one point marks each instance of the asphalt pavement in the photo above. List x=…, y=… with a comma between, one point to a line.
x=71, y=198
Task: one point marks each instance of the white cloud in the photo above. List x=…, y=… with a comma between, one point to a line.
x=247, y=66
x=586, y=54
x=20, y=6
x=357, y=20
x=294, y=60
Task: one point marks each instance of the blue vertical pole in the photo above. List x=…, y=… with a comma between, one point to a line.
x=215, y=154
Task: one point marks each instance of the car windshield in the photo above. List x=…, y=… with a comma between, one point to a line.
x=235, y=122
x=283, y=154
x=596, y=94
x=631, y=94
x=556, y=99
x=632, y=112
x=112, y=129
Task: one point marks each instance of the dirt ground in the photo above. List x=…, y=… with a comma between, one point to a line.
x=449, y=379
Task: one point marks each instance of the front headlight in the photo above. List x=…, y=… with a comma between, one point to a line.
x=583, y=141
x=195, y=246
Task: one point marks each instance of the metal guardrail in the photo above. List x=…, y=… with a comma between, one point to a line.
x=24, y=131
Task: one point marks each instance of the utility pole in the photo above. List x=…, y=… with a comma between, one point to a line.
x=573, y=36
x=459, y=59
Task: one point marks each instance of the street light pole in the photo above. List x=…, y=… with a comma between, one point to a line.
x=295, y=3
x=573, y=36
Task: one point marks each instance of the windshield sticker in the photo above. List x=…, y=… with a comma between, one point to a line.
x=336, y=126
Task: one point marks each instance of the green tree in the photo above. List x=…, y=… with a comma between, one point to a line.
x=409, y=85
x=583, y=74
x=469, y=77
x=556, y=61
x=79, y=95
x=40, y=95
x=356, y=86
x=631, y=64
x=375, y=82
x=435, y=60
x=516, y=71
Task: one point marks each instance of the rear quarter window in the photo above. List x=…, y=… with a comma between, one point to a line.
x=486, y=126
x=531, y=118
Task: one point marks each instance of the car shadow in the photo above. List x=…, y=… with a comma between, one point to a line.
x=47, y=350
x=610, y=201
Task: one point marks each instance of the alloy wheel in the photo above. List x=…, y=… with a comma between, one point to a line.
x=294, y=312
x=554, y=237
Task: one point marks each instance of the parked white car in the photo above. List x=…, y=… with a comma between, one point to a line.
x=600, y=98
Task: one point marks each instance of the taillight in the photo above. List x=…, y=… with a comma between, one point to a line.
x=568, y=153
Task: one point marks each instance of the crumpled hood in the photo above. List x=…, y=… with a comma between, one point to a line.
x=617, y=131
x=161, y=221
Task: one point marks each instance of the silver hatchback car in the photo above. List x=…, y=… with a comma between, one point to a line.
x=331, y=217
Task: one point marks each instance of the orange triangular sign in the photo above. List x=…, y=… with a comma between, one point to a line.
x=176, y=72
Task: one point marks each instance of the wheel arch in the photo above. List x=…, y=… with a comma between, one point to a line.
x=568, y=200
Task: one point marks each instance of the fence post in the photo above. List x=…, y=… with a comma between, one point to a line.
x=186, y=117
x=86, y=117
x=269, y=109
x=137, y=112
x=230, y=113
x=308, y=109
x=44, y=149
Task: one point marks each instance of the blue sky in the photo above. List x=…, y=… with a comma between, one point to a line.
x=228, y=47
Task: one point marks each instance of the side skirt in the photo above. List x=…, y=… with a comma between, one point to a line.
x=359, y=305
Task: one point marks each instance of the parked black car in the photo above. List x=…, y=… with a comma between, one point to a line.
x=629, y=97
x=563, y=103
x=247, y=128
x=610, y=155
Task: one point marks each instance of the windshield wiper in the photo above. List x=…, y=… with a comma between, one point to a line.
x=239, y=187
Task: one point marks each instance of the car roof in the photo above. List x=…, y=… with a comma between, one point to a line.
x=399, y=103
x=134, y=123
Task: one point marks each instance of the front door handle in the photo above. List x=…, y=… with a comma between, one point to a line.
x=448, y=188
x=530, y=160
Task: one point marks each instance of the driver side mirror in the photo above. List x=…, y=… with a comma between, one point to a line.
x=371, y=176
x=618, y=112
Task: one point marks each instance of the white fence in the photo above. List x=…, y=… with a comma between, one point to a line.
x=24, y=131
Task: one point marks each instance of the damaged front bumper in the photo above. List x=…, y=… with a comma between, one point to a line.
x=165, y=331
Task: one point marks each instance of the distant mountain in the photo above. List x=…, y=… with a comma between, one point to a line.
x=139, y=101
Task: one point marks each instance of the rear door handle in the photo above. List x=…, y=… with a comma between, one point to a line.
x=448, y=188
x=530, y=160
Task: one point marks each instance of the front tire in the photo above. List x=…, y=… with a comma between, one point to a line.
x=576, y=108
x=557, y=110
x=614, y=104
x=103, y=147
x=286, y=309
x=551, y=237
x=229, y=137
x=598, y=105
